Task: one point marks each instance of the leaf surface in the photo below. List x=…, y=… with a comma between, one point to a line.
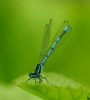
x=61, y=89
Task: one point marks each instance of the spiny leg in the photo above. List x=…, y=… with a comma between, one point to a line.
x=35, y=80
x=28, y=79
x=40, y=80
x=46, y=79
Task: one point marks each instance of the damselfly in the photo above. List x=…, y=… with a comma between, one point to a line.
x=45, y=53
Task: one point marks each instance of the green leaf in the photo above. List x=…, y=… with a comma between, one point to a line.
x=61, y=89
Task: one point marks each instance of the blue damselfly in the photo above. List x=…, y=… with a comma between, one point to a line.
x=45, y=53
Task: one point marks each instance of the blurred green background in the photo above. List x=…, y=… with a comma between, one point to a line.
x=22, y=24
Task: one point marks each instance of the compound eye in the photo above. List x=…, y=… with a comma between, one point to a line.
x=29, y=74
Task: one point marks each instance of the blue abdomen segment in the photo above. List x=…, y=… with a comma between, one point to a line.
x=65, y=30
x=50, y=51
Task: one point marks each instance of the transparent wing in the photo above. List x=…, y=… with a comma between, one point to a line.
x=61, y=33
x=45, y=41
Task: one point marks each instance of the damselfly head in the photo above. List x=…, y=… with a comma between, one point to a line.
x=34, y=75
x=30, y=74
